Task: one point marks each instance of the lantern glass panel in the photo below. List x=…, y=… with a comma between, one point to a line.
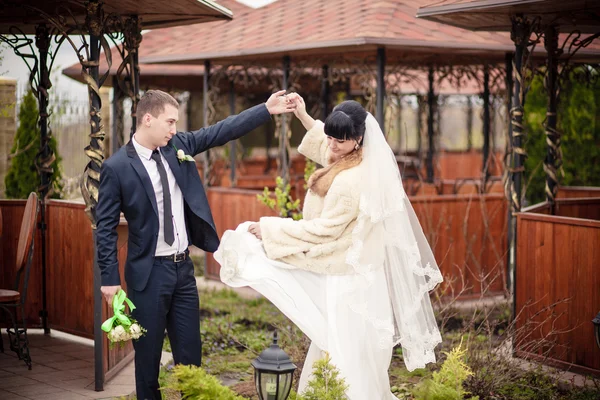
x=285, y=384
x=268, y=386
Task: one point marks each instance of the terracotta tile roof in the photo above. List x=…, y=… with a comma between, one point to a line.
x=315, y=30
x=494, y=15
x=295, y=27
x=153, y=13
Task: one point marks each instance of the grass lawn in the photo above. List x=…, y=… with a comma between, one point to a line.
x=235, y=330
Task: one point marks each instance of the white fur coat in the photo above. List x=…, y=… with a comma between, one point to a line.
x=320, y=241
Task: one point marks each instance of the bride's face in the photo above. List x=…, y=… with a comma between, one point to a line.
x=339, y=148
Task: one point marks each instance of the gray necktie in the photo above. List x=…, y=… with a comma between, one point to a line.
x=168, y=213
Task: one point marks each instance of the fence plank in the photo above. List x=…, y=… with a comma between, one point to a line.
x=557, y=259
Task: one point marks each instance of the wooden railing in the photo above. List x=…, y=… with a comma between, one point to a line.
x=69, y=271
x=558, y=281
x=467, y=233
x=577, y=192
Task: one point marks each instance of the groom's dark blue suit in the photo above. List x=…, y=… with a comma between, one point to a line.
x=163, y=291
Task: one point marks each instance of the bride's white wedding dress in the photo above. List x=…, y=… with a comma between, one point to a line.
x=358, y=317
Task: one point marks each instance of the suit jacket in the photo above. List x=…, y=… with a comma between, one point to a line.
x=125, y=186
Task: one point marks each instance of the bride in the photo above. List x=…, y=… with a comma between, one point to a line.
x=355, y=274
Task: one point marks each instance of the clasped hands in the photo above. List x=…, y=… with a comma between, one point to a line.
x=279, y=103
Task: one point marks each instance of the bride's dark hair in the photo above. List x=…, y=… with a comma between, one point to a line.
x=347, y=121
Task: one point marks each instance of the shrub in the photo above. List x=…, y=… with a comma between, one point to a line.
x=23, y=177
x=447, y=383
x=326, y=383
x=195, y=384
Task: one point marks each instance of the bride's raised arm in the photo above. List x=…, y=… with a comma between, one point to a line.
x=314, y=143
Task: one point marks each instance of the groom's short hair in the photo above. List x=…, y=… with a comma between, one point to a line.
x=153, y=102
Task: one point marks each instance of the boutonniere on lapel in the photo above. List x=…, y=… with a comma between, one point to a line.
x=181, y=156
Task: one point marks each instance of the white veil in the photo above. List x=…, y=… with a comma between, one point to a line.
x=389, y=235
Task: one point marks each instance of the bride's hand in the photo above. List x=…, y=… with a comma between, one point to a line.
x=300, y=110
x=255, y=230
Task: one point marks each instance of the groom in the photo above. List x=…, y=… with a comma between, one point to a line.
x=163, y=200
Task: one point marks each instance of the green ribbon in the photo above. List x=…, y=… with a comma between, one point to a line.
x=119, y=308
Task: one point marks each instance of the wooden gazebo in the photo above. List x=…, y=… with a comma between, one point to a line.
x=64, y=292
x=556, y=243
x=384, y=43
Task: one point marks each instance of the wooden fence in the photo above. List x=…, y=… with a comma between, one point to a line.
x=577, y=192
x=558, y=281
x=467, y=233
x=69, y=271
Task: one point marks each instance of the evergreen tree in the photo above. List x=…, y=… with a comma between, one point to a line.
x=23, y=177
x=326, y=383
x=579, y=125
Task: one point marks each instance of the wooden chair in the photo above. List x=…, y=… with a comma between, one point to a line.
x=12, y=300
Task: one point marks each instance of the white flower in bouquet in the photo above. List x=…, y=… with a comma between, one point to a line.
x=135, y=331
x=111, y=336
x=120, y=334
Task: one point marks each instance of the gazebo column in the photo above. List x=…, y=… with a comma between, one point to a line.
x=348, y=87
x=520, y=36
x=284, y=170
x=45, y=156
x=486, y=123
x=380, y=111
x=419, y=124
x=430, y=128
x=553, y=158
x=205, y=122
x=325, y=92
x=117, y=116
x=469, y=123
x=90, y=182
x=132, y=32
x=506, y=173
x=233, y=143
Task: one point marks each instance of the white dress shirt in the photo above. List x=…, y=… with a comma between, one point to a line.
x=181, y=240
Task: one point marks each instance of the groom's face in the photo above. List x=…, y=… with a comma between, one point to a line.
x=163, y=127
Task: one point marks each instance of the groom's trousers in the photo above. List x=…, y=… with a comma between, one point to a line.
x=169, y=300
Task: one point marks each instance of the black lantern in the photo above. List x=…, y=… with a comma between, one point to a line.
x=273, y=373
x=596, y=322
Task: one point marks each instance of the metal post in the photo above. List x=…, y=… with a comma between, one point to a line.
x=95, y=106
x=506, y=174
x=325, y=92
x=519, y=35
x=553, y=158
x=44, y=157
x=133, y=36
x=232, y=144
x=136, y=90
x=381, y=88
x=430, y=118
x=419, y=124
x=117, y=116
x=399, y=124
x=469, y=123
x=348, y=87
x=486, y=123
x=205, y=89
x=284, y=167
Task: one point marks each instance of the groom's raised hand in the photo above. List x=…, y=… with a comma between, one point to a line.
x=278, y=103
x=109, y=292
